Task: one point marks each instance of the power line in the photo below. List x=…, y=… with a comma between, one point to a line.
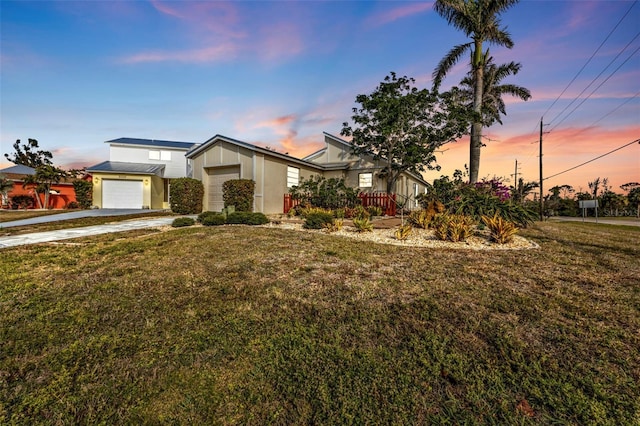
x=589, y=60
x=593, y=81
x=592, y=160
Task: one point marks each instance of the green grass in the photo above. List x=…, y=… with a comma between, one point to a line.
x=240, y=325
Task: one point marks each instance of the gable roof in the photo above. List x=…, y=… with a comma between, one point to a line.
x=218, y=138
x=128, y=168
x=19, y=169
x=152, y=143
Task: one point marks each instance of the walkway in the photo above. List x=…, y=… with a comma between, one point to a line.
x=65, y=234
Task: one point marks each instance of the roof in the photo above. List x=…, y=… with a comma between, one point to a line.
x=19, y=169
x=128, y=168
x=152, y=142
x=217, y=138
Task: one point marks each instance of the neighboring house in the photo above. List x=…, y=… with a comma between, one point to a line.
x=222, y=158
x=138, y=173
x=60, y=195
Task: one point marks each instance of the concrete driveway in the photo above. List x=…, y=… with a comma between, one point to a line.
x=74, y=215
x=85, y=231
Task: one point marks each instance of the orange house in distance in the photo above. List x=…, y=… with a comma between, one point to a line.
x=60, y=196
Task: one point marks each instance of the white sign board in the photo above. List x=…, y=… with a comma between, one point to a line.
x=588, y=204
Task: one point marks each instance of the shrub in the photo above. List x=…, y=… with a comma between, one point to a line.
x=84, y=193
x=423, y=218
x=501, y=230
x=329, y=193
x=186, y=196
x=72, y=205
x=22, y=202
x=362, y=224
x=317, y=220
x=452, y=227
x=247, y=218
x=239, y=193
x=361, y=213
x=374, y=210
x=335, y=226
x=309, y=210
x=203, y=215
x=179, y=222
x=402, y=233
x=215, y=219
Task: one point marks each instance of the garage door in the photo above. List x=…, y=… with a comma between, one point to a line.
x=122, y=194
x=217, y=177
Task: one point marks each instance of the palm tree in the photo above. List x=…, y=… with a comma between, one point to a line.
x=479, y=20
x=493, y=105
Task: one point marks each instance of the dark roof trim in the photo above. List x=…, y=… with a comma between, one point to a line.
x=217, y=138
x=348, y=144
x=118, y=167
x=152, y=143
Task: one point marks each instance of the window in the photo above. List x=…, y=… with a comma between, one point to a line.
x=293, y=176
x=365, y=180
x=160, y=155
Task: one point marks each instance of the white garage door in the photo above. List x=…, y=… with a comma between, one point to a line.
x=217, y=177
x=122, y=194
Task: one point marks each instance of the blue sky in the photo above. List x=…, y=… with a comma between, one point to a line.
x=278, y=74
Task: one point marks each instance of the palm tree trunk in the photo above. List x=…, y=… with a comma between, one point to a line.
x=476, y=127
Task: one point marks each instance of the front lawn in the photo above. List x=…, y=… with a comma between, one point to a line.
x=242, y=325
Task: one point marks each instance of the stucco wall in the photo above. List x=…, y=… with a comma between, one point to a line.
x=175, y=168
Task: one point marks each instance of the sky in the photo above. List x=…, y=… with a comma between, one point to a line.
x=74, y=74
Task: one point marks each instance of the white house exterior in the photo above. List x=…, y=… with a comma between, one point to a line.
x=138, y=173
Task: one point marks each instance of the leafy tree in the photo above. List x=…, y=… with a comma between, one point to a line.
x=84, y=193
x=29, y=155
x=629, y=186
x=479, y=20
x=403, y=126
x=633, y=197
x=319, y=191
x=493, y=105
x=596, y=185
x=522, y=190
x=5, y=186
x=46, y=175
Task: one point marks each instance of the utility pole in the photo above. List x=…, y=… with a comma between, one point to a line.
x=541, y=199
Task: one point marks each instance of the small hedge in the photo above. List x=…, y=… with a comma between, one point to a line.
x=247, y=218
x=186, y=196
x=179, y=222
x=317, y=220
x=239, y=193
x=215, y=219
x=206, y=214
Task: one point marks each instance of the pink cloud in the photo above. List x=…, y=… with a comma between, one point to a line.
x=392, y=15
x=202, y=55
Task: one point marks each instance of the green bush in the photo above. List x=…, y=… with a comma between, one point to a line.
x=22, y=202
x=206, y=214
x=317, y=220
x=179, y=222
x=452, y=227
x=319, y=191
x=239, y=193
x=84, y=193
x=375, y=210
x=247, y=218
x=186, y=196
x=215, y=219
x=362, y=224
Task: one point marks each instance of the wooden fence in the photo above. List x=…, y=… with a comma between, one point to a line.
x=384, y=200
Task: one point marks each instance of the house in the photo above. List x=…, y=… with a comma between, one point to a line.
x=60, y=194
x=138, y=173
x=222, y=158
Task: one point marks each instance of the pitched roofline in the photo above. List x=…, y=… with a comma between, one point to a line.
x=212, y=141
x=183, y=146
x=348, y=144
